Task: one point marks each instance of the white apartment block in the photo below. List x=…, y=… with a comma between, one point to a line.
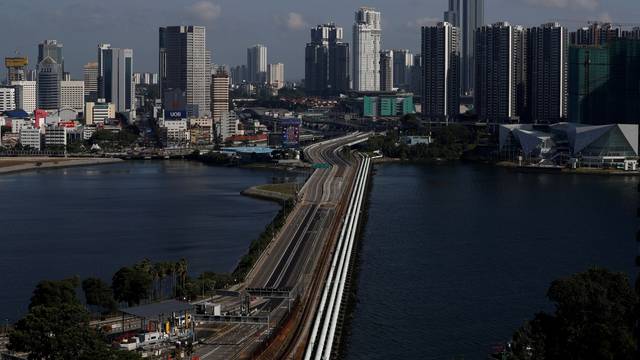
x=25, y=95
x=72, y=95
x=7, y=98
x=55, y=136
x=276, y=75
x=367, y=37
x=30, y=137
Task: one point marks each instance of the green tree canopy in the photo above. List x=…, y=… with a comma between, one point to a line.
x=98, y=293
x=49, y=293
x=595, y=315
x=131, y=285
x=61, y=332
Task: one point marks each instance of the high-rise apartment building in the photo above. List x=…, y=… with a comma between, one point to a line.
x=386, y=70
x=90, y=71
x=501, y=73
x=326, y=61
x=115, y=78
x=275, y=75
x=52, y=49
x=367, y=38
x=72, y=95
x=596, y=33
x=185, y=67
x=403, y=61
x=257, y=64
x=440, y=72
x=219, y=94
x=548, y=54
x=7, y=98
x=48, y=89
x=472, y=19
x=25, y=95
x=16, y=68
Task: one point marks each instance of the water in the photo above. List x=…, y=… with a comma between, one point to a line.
x=455, y=258
x=90, y=221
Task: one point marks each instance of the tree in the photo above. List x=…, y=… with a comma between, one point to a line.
x=61, y=332
x=594, y=319
x=131, y=285
x=98, y=293
x=48, y=293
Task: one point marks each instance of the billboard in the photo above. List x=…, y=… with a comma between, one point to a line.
x=290, y=132
x=175, y=114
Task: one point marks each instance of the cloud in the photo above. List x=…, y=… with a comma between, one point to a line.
x=425, y=21
x=295, y=21
x=204, y=10
x=563, y=4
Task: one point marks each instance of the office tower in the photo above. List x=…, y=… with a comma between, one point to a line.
x=52, y=49
x=326, y=61
x=472, y=19
x=402, y=64
x=441, y=72
x=48, y=88
x=185, y=66
x=115, y=78
x=367, y=37
x=90, y=71
x=239, y=74
x=72, y=95
x=453, y=14
x=7, y=98
x=219, y=94
x=386, y=70
x=276, y=75
x=597, y=33
x=500, y=90
x=257, y=64
x=416, y=76
x=16, y=68
x=548, y=65
x=604, y=83
x=25, y=95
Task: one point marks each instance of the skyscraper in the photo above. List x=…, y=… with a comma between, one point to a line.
x=386, y=70
x=48, y=88
x=367, y=37
x=52, y=49
x=596, y=33
x=90, y=71
x=500, y=91
x=402, y=64
x=441, y=75
x=453, y=14
x=472, y=19
x=275, y=75
x=219, y=94
x=548, y=66
x=185, y=68
x=326, y=61
x=115, y=78
x=72, y=95
x=257, y=64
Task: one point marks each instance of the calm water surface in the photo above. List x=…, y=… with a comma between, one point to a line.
x=455, y=258
x=90, y=221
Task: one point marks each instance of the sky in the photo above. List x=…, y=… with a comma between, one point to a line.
x=233, y=25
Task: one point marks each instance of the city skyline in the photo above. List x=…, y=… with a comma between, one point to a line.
x=79, y=28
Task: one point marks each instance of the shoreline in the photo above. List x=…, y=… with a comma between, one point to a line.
x=44, y=163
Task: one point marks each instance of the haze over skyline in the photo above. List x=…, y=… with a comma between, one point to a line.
x=233, y=25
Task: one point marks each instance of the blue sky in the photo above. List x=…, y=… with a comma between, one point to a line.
x=233, y=25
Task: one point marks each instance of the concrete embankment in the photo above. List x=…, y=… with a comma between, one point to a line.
x=10, y=165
